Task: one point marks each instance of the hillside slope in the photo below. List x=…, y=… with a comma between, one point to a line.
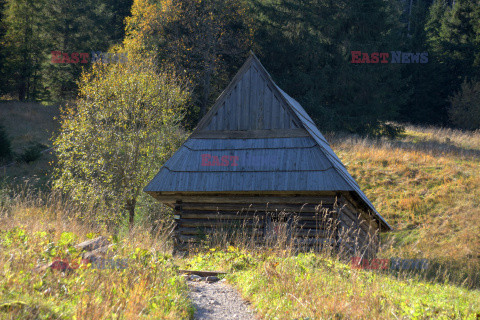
x=426, y=184
x=29, y=126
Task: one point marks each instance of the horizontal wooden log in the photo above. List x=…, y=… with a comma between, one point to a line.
x=218, y=223
x=206, y=230
x=319, y=241
x=220, y=215
x=307, y=224
x=244, y=200
x=197, y=239
x=312, y=233
x=225, y=215
x=188, y=238
x=202, y=273
x=256, y=207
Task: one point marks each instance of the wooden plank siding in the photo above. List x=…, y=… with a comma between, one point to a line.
x=308, y=224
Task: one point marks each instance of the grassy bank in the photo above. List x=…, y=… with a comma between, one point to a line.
x=33, y=233
x=426, y=184
x=312, y=286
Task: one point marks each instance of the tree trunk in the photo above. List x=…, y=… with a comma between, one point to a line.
x=131, y=212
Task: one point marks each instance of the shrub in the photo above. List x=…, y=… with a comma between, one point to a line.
x=5, y=145
x=465, y=106
x=31, y=153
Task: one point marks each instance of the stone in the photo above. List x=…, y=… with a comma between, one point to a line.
x=211, y=279
x=96, y=254
x=194, y=277
x=93, y=244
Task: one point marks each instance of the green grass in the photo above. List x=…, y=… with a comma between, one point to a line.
x=148, y=288
x=312, y=286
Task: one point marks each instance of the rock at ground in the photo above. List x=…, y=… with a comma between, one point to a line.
x=194, y=277
x=211, y=279
x=93, y=244
x=98, y=253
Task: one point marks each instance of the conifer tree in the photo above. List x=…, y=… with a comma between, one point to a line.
x=307, y=47
x=23, y=46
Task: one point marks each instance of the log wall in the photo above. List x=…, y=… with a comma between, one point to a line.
x=270, y=221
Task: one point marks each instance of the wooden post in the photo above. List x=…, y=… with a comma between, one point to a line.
x=177, y=215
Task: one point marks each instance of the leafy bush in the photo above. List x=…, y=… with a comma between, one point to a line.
x=5, y=145
x=465, y=106
x=389, y=130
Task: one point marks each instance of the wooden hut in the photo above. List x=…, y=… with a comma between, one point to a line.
x=257, y=153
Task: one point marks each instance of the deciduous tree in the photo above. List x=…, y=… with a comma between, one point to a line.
x=206, y=40
x=122, y=128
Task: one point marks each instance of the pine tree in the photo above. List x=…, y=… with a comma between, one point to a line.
x=3, y=75
x=452, y=36
x=307, y=44
x=23, y=46
x=84, y=26
x=5, y=145
x=425, y=105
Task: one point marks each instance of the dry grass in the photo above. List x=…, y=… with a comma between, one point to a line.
x=426, y=184
x=36, y=230
x=427, y=191
x=283, y=285
x=27, y=123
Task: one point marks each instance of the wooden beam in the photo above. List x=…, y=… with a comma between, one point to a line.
x=227, y=224
x=250, y=134
x=245, y=200
x=203, y=273
x=251, y=208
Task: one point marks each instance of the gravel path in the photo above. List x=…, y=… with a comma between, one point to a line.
x=218, y=300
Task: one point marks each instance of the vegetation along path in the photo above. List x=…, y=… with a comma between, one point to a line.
x=218, y=301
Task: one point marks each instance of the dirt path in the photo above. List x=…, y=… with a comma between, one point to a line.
x=218, y=300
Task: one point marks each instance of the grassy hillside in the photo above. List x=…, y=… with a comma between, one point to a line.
x=36, y=230
x=30, y=127
x=310, y=286
x=425, y=183
x=280, y=284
